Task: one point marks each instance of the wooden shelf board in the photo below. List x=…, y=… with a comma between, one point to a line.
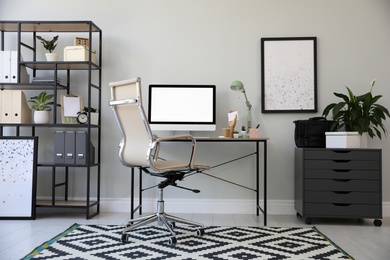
x=64, y=203
x=48, y=26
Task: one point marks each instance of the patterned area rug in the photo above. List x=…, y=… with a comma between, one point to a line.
x=150, y=242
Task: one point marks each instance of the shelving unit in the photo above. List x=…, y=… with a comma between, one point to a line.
x=60, y=173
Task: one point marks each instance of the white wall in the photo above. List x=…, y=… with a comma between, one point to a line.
x=216, y=42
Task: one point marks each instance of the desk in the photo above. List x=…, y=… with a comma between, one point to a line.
x=255, y=141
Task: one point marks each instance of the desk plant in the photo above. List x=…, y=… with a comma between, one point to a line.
x=358, y=113
x=42, y=105
x=50, y=46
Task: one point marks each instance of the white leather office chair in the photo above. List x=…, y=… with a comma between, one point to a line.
x=140, y=148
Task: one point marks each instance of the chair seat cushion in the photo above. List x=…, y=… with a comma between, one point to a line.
x=179, y=166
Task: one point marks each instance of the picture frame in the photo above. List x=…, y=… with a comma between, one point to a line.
x=289, y=75
x=18, y=169
x=70, y=106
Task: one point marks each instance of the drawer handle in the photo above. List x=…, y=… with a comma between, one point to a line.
x=341, y=161
x=341, y=192
x=342, y=180
x=342, y=204
x=335, y=170
x=341, y=151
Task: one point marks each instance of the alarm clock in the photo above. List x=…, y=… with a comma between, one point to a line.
x=82, y=117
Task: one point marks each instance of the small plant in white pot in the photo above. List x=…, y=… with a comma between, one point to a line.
x=94, y=114
x=50, y=46
x=42, y=106
x=361, y=114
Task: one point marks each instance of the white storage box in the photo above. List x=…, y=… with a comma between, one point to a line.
x=78, y=53
x=342, y=140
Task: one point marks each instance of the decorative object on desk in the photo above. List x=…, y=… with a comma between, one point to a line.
x=92, y=241
x=244, y=133
x=236, y=134
x=289, y=75
x=42, y=105
x=18, y=163
x=226, y=132
x=239, y=86
x=253, y=132
x=70, y=106
x=50, y=46
x=361, y=114
x=232, y=119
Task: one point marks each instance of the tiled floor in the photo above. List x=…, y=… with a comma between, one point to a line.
x=360, y=238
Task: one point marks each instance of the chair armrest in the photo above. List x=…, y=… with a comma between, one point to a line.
x=157, y=142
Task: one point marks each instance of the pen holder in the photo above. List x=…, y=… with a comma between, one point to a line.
x=253, y=133
x=226, y=132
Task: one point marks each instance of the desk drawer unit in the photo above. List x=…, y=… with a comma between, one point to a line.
x=339, y=183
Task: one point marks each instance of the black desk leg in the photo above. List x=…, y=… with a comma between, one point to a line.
x=265, y=183
x=257, y=180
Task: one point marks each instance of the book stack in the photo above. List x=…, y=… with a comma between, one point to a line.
x=44, y=80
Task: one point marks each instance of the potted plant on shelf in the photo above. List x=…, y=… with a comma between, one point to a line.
x=50, y=46
x=42, y=105
x=94, y=114
x=361, y=114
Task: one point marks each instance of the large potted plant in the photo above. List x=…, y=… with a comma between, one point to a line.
x=42, y=105
x=50, y=46
x=361, y=114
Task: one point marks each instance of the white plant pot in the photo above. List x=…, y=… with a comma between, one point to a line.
x=51, y=56
x=94, y=118
x=41, y=117
x=345, y=140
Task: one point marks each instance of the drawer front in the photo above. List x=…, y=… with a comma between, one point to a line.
x=342, y=174
x=342, y=165
x=343, y=197
x=343, y=210
x=344, y=154
x=342, y=185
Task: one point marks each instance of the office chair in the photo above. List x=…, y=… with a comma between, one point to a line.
x=139, y=148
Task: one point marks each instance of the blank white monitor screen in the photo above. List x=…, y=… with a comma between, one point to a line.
x=182, y=107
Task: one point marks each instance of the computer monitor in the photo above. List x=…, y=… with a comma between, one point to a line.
x=182, y=107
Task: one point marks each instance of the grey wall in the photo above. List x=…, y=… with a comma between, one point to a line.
x=216, y=42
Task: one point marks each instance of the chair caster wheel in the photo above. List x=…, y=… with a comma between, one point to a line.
x=125, y=238
x=172, y=224
x=378, y=222
x=308, y=221
x=200, y=232
x=172, y=241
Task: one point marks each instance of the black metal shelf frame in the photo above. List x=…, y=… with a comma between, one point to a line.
x=32, y=27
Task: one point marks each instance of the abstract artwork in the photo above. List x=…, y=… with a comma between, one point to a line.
x=289, y=74
x=18, y=159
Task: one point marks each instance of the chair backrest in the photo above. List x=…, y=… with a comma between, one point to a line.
x=126, y=102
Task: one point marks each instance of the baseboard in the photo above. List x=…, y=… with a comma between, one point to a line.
x=207, y=206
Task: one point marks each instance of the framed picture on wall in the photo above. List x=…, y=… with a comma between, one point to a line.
x=289, y=75
x=18, y=165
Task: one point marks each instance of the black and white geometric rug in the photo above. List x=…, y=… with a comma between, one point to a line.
x=150, y=242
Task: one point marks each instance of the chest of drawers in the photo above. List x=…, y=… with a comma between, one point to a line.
x=340, y=183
